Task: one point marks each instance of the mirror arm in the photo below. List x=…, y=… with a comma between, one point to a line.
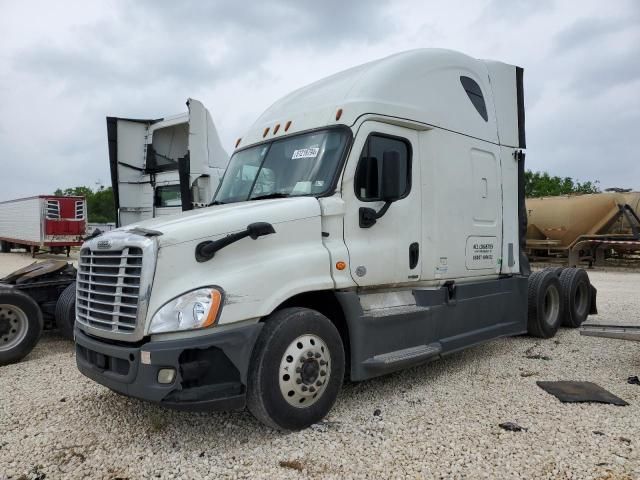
x=368, y=216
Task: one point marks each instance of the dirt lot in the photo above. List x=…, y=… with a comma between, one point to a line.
x=438, y=420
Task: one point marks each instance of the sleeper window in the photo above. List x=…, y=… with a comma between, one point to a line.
x=369, y=171
x=475, y=95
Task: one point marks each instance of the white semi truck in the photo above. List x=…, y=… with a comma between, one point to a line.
x=368, y=222
x=164, y=166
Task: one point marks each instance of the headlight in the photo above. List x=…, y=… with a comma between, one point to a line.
x=196, y=309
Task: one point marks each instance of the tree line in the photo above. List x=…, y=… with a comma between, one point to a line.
x=100, y=205
x=541, y=184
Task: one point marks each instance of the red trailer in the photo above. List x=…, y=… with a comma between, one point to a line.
x=43, y=222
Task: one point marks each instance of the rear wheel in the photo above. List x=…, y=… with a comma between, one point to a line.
x=545, y=306
x=20, y=325
x=5, y=247
x=66, y=311
x=296, y=369
x=576, y=296
x=555, y=270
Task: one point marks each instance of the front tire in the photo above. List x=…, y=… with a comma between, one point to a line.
x=296, y=369
x=20, y=325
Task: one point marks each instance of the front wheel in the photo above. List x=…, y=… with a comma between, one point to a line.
x=296, y=369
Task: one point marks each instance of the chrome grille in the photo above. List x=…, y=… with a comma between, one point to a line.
x=108, y=288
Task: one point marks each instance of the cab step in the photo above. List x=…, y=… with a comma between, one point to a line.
x=406, y=356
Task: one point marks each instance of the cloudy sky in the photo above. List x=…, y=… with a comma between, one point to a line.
x=64, y=66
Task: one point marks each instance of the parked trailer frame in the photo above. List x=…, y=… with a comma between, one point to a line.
x=38, y=297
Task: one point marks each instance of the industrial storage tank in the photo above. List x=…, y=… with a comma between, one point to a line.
x=559, y=225
x=565, y=218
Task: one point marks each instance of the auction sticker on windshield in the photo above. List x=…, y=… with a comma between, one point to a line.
x=305, y=153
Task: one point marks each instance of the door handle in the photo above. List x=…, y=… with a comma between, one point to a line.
x=414, y=255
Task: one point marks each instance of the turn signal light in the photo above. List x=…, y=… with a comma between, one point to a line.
x=341, y=265
x=216, y=299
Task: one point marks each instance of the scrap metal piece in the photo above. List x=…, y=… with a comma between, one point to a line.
x=35, y=270
x=512, y=427
x=571, y=391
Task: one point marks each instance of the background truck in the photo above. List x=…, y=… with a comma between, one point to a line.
x=368, y=222
x=45, y=221
x=164, y=166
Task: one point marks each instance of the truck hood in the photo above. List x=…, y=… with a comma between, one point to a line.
x=223, y=219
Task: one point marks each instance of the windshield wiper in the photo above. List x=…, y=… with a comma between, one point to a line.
x=271, y=195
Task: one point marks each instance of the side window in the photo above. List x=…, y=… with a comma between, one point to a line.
x=368, y=181
x=475, y=95
x=168, y=196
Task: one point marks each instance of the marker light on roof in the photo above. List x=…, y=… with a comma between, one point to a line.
x=287, y=125
x=338, y=114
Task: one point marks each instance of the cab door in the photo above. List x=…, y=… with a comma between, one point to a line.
x=387, y=252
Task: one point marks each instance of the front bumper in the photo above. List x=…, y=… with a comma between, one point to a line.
x=211, y=370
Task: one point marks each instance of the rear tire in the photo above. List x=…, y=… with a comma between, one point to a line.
x=5, y=247
x=545, y=305
x=66, y=311
x=296, y=369
x=20, y=325
x=576, y=296
x=555, y=270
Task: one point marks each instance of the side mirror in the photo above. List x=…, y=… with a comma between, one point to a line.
x=392, y=187
x=394, y=176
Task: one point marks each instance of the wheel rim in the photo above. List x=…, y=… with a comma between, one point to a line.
x=13, y=326
x=551, y=305
x=305, y=370
x=581, y=299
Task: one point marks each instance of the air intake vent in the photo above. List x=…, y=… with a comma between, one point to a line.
x=53, y=209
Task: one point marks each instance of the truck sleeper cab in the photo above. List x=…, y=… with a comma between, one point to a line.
x=370, y=221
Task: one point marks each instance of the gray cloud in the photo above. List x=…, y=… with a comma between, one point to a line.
x=63, y=71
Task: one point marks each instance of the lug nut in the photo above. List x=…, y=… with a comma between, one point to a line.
x=322, y=373
x=312, y=389
x=318, y=355
x=318, y=383
x=298, y=370
x=298, y=381
x=304, y=388
x=309, y=354
x=323, y=362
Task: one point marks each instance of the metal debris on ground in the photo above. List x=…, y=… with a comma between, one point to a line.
x=634, y=380
x=512, y=427
x=571, y=391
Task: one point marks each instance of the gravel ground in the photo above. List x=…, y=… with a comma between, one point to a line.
x=438, y=420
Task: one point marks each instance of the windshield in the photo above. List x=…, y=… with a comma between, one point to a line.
x=304, y=164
